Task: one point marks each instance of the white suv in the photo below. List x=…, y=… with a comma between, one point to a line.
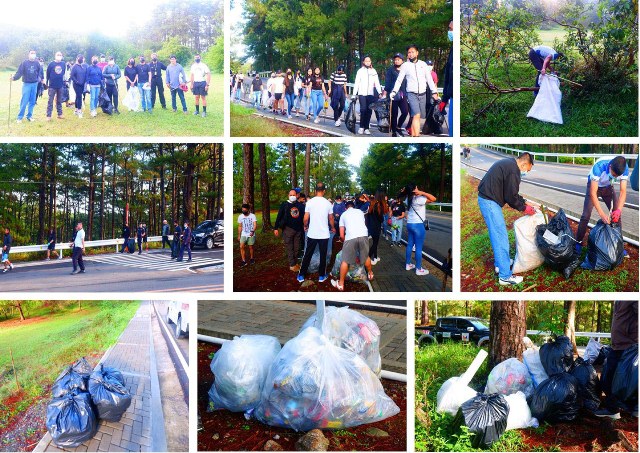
x=178, y=314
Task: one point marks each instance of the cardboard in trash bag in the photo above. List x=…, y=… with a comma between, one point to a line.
x=356, y=272
x=546, y=106
x=531, y=358
x=560, y=255
x=240, y=368
x=509, y=376
x=556, y=399
x=528, y=257
x=588, y=383
x=314, y=384
x=519, y=412
x=109, y=393
x=606, y=247
x=486, y=417
x=71, y=420
x=557, y=356
x=351, y=330
x=625, y=380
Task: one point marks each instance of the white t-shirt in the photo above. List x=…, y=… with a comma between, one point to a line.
x=354, y=224
x=199, y=71
x=79, y=238
x=247, y=223
x=278, y=85
x=418, y=204
x=319, y=210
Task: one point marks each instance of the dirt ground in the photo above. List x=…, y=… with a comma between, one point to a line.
x=229, y=431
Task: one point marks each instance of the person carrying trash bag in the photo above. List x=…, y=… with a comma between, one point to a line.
x=541, y=58
x=109, y=393
x=500, y=186
x=71, y=420
x=606, y=247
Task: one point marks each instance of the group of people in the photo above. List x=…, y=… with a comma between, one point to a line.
x=102, y=73
x=359, y=222
x=410, y=83
x=181, y=242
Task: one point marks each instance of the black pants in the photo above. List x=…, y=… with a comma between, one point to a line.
x=185, y=246
x=76, y=258
x=609, y=197
x=175, y=248
x=537, y=61
x=112, y=92
x=165, y=240
x=292, y=239
x=156, y=82
x=139, y=245
x=57, y=93
x=337, y=101
x=365, y=111
x=373, y=251
x=402, y=106
x=78, y=89
x=125, y=245
x=308, y=253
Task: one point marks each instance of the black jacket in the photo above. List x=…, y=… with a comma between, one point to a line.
x=79, y=74
x=126, y=232
x=502, y=184
x=290, y=215
x=447, y=90
x=390, y=80
x=156, y=70
x=6, y=243
x=624, y=326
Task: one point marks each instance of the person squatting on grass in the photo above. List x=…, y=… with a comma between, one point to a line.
x=290, y=219
x=247, y=225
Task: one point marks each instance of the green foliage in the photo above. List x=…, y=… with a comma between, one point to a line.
x=214, y=57
x=173, y=47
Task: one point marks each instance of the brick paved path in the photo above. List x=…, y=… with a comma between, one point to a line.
x=142, y=427
x=283, y=319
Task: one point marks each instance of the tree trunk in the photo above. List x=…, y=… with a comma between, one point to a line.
x=113, y=197
x=264, y=189
x=466, y=308
x=507, y=327
x=442, y=173
x=104, y=155
x=599, y=318
x=163, y=195
x=42, y=192
x=248, y=173
x=189, y=170
x=52, y=190
x=424, y=319
x=570, y=322
x=92, y=172
x=307, y=165
x=18, y=305
x=220, y=175
x=292, y=163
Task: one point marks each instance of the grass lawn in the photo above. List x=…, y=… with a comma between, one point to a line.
x=45, y=343
x=245, y=124
x=160, y=123
x=548, y=36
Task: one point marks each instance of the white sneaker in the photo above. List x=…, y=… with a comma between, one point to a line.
x=409, y=266
x=422, y=271
x=513, y=280
x=80, y=114
x=289, y=116
x=338, y=123
x=94, y=113
x=317, y=120
x=367, y=132
x=360, y=131
x=413, y=249
x=374, y=261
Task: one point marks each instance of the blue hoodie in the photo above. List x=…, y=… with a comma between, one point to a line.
x=94, y=75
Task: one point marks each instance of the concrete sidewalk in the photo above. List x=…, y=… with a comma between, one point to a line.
x=283, y=319
x=142, y=426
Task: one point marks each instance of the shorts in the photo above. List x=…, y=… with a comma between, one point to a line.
x=278, y=96
x=199, y=88
x=249, y=240
x=354, y=248
x=5, y=256
x=51, y=246
x=417, y=104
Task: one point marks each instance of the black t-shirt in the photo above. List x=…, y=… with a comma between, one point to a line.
x=397, y=209
x=256, y=84
x=131, y=73
x=317, y=82
x=143, y=73
x=289, y=84
x=502, y=183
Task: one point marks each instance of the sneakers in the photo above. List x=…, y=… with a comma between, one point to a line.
x=252, y=261
x=360, y=131
x=338, y=123
x=196, y=113
x=603, y=412
x=513, y=280
x=94, y=113
x=243, y=263
x=289, y=116
x=322, y=278
x=10, y=266
x=300, y=278
x=625, y=254
x=367, y=132
x=75, y=272
x=578, y=248
x=375, y=261
x=409, y=266
x=48, y=119
x=317, y=120
x=5, y=270
x=422, y=271
x=18, y=121
x=204, y=114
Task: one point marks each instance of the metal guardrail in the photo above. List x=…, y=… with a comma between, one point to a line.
x=556, y=155
x=597, y=335
x=440, y=206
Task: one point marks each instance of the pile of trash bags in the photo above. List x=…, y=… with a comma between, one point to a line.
x=325, y=377
x=528, y=257
x=79, y=393
x=556, y=242
x=509, y=377
x=606, y=247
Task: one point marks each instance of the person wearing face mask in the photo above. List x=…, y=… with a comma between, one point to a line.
x=78, y=80
x=112, y=74
x=156, y=81
x=447, y=89
x=177, y=233
x=256, y=90
x=603, y=174
x=200, y=80
x=94, y=80
x=419, y=83
x=55, y=82
x=186, y=242
x=500, y=186
x=247, y=225
x=29, y=71
x=144, y=85
x=399, y=102
x=131, y=73
x=338, y=93
x=289, y=219
x=239, y=82
x=103, y=62
x=175, y=77
x=318, y=94
x=306, y=86
x=366, y=88
x=278, y=94
x=289, y=90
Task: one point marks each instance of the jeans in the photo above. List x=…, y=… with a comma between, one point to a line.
x=76, y=258
x=498, y=235
x=450, y=117
x=139, y=245
x=238, y=93
x=185, y=246
x=633, y=179
x=156, y=83
x=290, y=98
x=173, y=99
x=537, y=61
x=415, y=236
x=298, y=99
x=78, y=89
x=307, y=104
x=257, y=95
x=385, y=225
x=308, y=253
x=396, y=233
x=29, y=93
x=338, y=98
x=365, y=111
x=112, y=92
x=95, y=94
x=317, y=100
x=609, y=197
x=125, y=245
x=57, y=93
x=145, y=95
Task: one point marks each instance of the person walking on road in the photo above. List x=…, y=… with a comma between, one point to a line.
x=500, y=186
x=366, y=89
x=375, y=218
x=399, y=103
x=6, y=248
x=289, y=91
x=247, y=225
x=604, y=173
x=29, y=70
x=177, y=235
x=398, y=213
x=290, y=220
x=94, y=80
x=51, y=243
x=78, y=80
x=186, y=242
x=338, y=93
x=299, y=90
x=55, y=82
x=144, y=85
x=165, y=234
x=306, y=86
x=278, y=94
x=112, y=75
x=126, y=234
x=419, y=83
x=354, y=234
x=139, y=236
x=318, y=94
x=78, y=249
x=200, y=80
x=157, y=67
x=447, y=89
x=416, y=226
x=318, y=224
x=239, y=83
x=175, y=78
x=145, y=238
x=256, y=91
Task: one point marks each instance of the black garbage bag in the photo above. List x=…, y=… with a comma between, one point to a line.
x=602, y=355
x=65, y=93
x=82, y=367
x=350, y=117
x=557, y=356
x=486, y=417
x=109, y=393
x=588, y=383
x=105, y=102
x=381, y=109
x=606, y=247
x=434, y=119
x=69, y=381
x=71, y=420
x=556, y=399
x=561, y=254
x=572, y=266
x=625, y=380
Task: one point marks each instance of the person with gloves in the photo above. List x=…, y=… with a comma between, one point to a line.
x=500, y=186
x=366, y=89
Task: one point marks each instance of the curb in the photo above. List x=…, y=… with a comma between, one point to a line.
x=158, y=435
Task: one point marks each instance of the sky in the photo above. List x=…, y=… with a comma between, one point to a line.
x=111, y=18
x=358, y=149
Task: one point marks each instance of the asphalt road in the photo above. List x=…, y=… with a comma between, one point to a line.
x=437, y=241
x=121, y=273
x=183, y=343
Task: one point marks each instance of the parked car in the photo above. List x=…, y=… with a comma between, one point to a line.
x=209, y=234
x=178, y=314
x=454, y=328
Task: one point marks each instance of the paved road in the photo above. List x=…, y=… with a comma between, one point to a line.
x=564, y=176
x=149, y=272
x=437, y=241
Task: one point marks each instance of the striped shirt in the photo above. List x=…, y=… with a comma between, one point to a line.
x=339, y=79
